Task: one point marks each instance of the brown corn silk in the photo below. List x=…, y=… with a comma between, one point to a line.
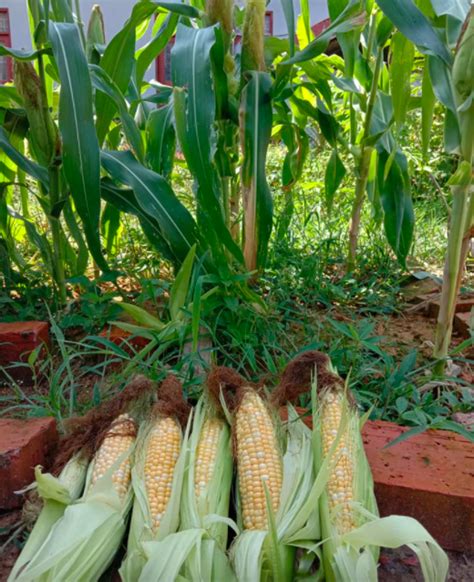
x=85, y=434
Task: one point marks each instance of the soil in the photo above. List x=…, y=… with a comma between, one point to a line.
x=399, y=565
x=402, y=565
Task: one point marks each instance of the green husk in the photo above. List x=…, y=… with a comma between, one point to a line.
x=353, y=556
x=57, y=493
x=83, y=542
x=43, y=133
x=253, y=56
x=199, y=513
x=140, y=527
x=198, y=550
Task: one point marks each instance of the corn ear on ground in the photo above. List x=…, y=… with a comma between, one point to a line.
x=206, y=455
x=259, y=460
x=118, y=440
x=163, y=448
x=340, y=483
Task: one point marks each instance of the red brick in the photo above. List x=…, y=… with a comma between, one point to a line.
x=17, y=341
x=429, y=476
x=462, y=306
x=121, y=338
x=463, y=322
x=23, y=445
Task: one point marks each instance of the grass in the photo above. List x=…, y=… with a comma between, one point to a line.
x=308, y=302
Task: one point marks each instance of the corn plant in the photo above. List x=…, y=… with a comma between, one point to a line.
x=436, y=29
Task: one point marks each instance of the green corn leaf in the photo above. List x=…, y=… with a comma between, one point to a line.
x=142, y=316
x=397, y=204
x=289, y=13
x=104, y=83
x=403, y=55
x=82, y=254
x=428, y=102
x=21, y=55
x=126, y=201
x=349, y=18
x=81, y=159
x=117, y=61
x=411, y=22
x=194, y=118
x=36, y=171
x=147, y=54
x=155, y=197
x=335, y=172
x=161, y=140
x=256, y=127
x=180, y=288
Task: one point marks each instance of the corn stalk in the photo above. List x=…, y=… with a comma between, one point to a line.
x=463, y=197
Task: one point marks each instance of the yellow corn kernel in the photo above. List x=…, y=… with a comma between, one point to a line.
x=118, y=440
x=163, y=447
x=259, y=461
x=339, y=486
x=206, y=454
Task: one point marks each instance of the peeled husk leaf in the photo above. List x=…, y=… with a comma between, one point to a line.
x=57, y=493
x=83, y=542
x=214, y=501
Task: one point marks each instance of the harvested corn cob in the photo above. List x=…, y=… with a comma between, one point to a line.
x=259, y=460
x=117, y=442
x=275, y=489
x=201, y=540
x=157, y=475
x=348, y=514
x=163, y=447
x=206, y=455
x=340, y=483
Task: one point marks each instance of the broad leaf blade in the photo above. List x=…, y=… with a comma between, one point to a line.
x=411, y=22
x=256, y=127
x=155, y=197
x=194, y=118
x=81, y=159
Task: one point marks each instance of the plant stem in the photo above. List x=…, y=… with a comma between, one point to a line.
x=25, y=211
x=234, y=211
x=361, y=184
x=58, y=258
x=80, y=24
x=363, y=168
x=452, y=275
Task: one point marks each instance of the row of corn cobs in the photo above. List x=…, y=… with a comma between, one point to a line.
x=302, y=508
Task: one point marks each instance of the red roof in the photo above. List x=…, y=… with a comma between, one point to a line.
x=319, y=27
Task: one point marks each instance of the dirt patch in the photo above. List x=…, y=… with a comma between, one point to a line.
x=402, y=565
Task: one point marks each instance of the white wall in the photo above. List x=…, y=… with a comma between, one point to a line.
x=19, y=26
x=116, y=13
x=318, y=11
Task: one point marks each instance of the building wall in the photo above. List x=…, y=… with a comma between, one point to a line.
x=116, y=13
x=19, y=25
